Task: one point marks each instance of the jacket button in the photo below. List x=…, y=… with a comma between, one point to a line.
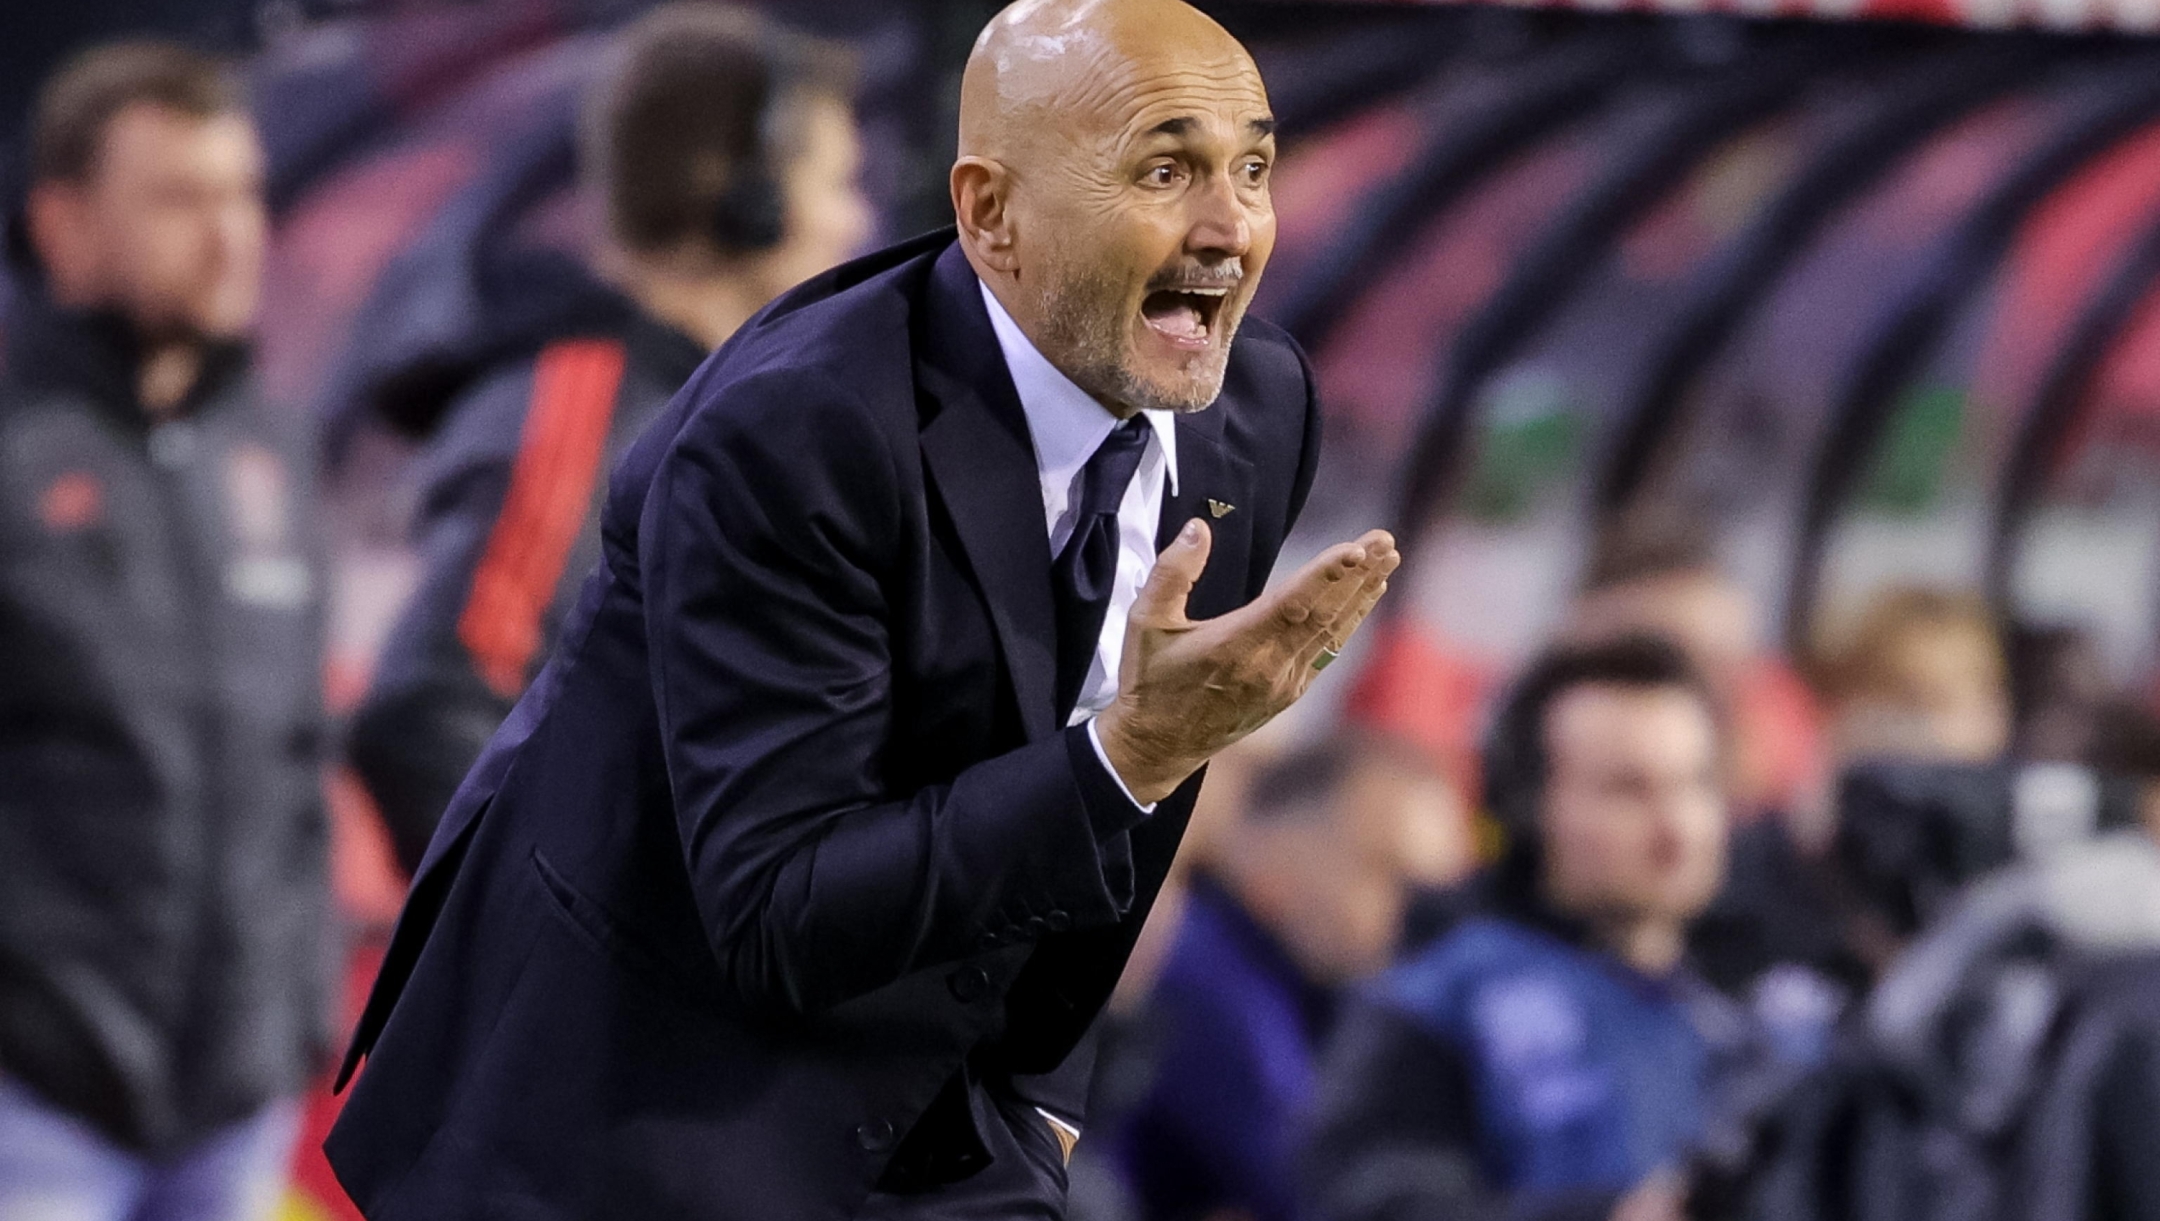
x=1059, y=920
x=968, y=985
x=875, y=1136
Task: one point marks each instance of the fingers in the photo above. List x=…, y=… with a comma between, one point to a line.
x=1320, y=587
x=1345, y=625
x=1335, y=583
x=1343, y=619
x=1161, y=601
x=1318, y=606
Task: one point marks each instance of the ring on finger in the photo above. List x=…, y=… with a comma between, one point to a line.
x=1326, y=658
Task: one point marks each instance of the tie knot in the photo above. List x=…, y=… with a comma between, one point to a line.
x=1111, y=467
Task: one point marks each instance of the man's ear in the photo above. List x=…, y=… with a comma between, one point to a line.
x=981, y=190
x=56, y=222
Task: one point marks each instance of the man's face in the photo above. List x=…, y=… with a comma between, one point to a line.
x=1634, y=818
x=828, y=219
x=1335, y=906
x=1412, y=818
x=169, y=226
x=1142, y=221
x=1707, y=614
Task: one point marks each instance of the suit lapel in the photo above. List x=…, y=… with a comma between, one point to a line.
x=1214, y=485
x=982, y=463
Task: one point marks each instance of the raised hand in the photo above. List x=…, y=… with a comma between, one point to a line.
x=1188, y=689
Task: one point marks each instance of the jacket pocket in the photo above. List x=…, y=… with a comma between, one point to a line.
x=621, y=948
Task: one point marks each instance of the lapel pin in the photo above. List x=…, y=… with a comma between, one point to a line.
x=1218, y=508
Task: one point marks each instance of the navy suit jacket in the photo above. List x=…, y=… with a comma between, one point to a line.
x=787, y=851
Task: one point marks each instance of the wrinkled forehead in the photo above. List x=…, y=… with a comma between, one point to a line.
x=1099, y=86
x=1218, y=97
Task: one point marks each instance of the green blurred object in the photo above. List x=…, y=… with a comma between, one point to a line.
x=1530, y=442
x=1908, y=472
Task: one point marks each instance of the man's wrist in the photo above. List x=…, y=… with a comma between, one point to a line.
x=1095, y=740
x=1144, y=779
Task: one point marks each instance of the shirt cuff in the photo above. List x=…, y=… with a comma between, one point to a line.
x=1095, y=741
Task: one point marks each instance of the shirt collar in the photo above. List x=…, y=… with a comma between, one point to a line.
x=1066, y=422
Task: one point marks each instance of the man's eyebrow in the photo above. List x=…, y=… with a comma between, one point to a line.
x=1185, y=125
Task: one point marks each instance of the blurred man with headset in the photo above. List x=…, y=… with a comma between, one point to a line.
x=722, y=152
x=1553, y=1057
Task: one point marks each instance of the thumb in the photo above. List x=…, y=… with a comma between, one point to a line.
x=1161, y=601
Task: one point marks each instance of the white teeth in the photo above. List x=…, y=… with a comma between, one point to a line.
x=1204, y=292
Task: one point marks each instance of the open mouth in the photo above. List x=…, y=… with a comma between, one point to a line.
x=1184, y=316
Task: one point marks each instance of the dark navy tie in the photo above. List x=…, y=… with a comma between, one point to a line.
x=1087, y=567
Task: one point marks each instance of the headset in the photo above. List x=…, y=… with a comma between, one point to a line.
x=17, y=255
x=751, y=215
x=1511, y=770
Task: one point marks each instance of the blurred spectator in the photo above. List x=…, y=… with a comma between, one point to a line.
x=723, y=154
x=1662, y=577
x=1921, y=679
x=1410, y=809
x=1302, y=893
x=1923, y=676
x=163, y=894
x=1548, y=1057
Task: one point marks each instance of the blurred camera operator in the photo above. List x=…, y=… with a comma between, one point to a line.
x=1552, y=1056
x=723, y=155
x=1920, y=681
x=163, y=895
x=2008, y=1065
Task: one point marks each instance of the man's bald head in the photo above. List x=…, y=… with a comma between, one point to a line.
x=1040, y=58
x=1112, y=190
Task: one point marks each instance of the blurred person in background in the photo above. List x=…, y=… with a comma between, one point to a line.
x=1657, y=576
x=1923, y=675
x=1411, y=800
x=1813, y=916
x=163, y=892
x=1921, y=678
x=723, y=154
x=1552, y=1056
x=1300, y=895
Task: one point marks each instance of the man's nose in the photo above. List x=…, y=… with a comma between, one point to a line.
x=1221, y=224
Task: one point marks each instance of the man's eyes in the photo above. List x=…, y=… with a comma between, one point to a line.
x=1253, y=171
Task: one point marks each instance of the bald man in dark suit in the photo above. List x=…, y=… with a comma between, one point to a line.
x=795, y=887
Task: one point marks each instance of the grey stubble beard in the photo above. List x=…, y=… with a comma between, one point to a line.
x=1089, y=348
